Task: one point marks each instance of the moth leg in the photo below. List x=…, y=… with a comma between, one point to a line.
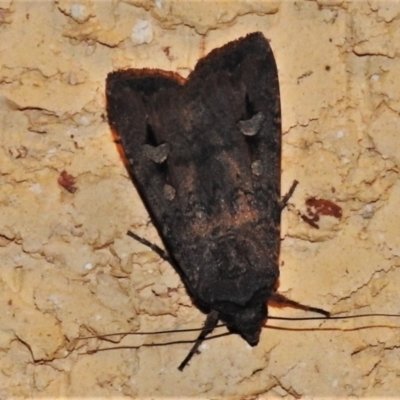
x=288, y=195
x=162, y=253
x=281, y=299
x=209, y=325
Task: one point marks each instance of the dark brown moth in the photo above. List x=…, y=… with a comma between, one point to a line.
x=205, y=155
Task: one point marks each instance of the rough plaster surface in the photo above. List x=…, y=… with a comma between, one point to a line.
x=67, y=269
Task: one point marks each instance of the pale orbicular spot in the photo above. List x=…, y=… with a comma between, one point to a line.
x=158, y=154
x=251, y=127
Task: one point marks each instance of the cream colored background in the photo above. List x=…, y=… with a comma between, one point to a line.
x=67, y=269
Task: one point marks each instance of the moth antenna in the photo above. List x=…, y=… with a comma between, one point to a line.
x=148, y=333
x=281, y=299
x=173, y=342
x=212, y=319
x=209, y=325
x=162, y=253
x=335, y=317
x=288, y=195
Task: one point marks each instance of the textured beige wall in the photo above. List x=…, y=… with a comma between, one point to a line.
x=67, y=269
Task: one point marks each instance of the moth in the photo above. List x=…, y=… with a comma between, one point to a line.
x=205, y=156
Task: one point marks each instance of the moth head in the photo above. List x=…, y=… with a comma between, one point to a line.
x=248, y=321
